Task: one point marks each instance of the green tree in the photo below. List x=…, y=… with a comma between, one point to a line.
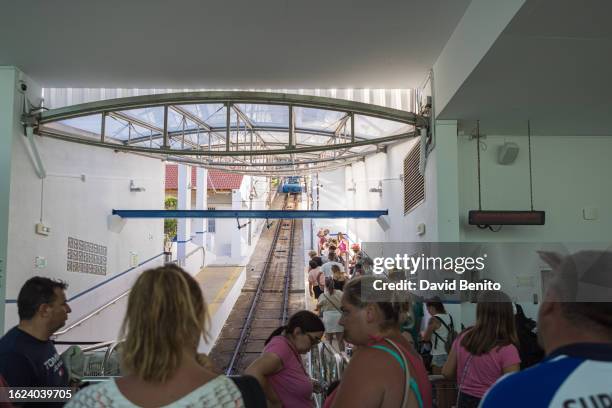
x=170, y=223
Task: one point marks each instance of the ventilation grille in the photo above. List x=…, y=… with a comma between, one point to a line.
x=414, y=183
x=212, y=222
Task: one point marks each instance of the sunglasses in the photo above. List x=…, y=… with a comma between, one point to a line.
x=314, y=340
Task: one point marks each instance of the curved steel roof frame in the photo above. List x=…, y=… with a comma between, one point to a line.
x=239, y=141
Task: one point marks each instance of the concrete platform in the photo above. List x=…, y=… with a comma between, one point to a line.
x=216, y=282
x=221, y=286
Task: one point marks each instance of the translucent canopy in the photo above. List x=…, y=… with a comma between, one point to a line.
x=249, y=132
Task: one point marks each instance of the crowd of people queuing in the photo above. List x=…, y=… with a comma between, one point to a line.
x=474, y=366
x=167, y=316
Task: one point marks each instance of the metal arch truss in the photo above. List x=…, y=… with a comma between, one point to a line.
x=240, y=145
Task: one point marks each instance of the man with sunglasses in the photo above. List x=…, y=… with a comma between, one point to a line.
x=28, y=357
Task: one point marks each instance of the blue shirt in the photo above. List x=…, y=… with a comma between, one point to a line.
x=574, y=376
x=26, y=361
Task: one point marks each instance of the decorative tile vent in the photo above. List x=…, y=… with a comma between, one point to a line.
x=414, y=182
x=86, y=257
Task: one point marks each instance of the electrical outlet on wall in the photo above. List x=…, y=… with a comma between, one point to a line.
x=42, y=229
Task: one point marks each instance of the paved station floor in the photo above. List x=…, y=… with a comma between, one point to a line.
x=216, y=281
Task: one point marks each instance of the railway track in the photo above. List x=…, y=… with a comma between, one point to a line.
x=266, y=301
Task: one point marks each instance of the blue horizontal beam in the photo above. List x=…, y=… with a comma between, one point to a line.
x=268, y=214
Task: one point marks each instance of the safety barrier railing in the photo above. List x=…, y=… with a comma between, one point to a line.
x=326, y=365
x=90, y=315
x=107, y=304
x=190, y=254
x=95, y=362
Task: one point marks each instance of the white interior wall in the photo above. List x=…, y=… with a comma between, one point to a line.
x=480, y=26
x=387, y=168
x=569, y=174
x=10, y=110
x=332, y=196
x=79, y=207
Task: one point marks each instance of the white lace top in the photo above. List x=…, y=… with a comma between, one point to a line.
x=219, y=392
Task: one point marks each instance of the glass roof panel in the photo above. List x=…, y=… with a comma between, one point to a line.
x=281, y=138
x=266, y=115
x=120, y=129
x=311, y=140
x=90, y=124
x=175, y=122
x=370, y=127
x=317, y=119
x=153, y=115
x=114, y=127
x=214, y=114
x=140, y=123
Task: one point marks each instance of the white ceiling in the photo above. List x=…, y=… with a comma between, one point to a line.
x=226, y=43
x=552, y=64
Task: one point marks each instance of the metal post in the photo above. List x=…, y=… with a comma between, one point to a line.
x=228, y=106
x=103, y=129
x=250, y=208
x=291, y=129
x=183, y=135
x=352, y=127
x=165, y=142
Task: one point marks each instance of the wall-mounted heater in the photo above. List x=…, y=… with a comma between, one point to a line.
x=487, y=218
x=479, y=217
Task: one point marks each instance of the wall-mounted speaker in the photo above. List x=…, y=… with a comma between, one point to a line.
x=116, y=223
x=507, y=153
x=384, y=222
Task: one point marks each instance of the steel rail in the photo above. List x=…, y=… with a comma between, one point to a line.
x=245, y=331
x=284, y=316
x=246, y=328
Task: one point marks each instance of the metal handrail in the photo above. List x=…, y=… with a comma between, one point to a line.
x=176, y=261
x=90, y=315
x=196, y=250
x=318, y=367
x=109, y=351
x=104, y=306
x=97, y=346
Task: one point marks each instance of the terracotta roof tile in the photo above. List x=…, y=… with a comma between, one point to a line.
x=216, y=178
x=223, y=181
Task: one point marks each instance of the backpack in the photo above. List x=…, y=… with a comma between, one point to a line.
x=450, y=337
x=529, y=350
x=252, y=393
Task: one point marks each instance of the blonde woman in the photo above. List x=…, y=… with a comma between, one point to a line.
x=165, y=319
